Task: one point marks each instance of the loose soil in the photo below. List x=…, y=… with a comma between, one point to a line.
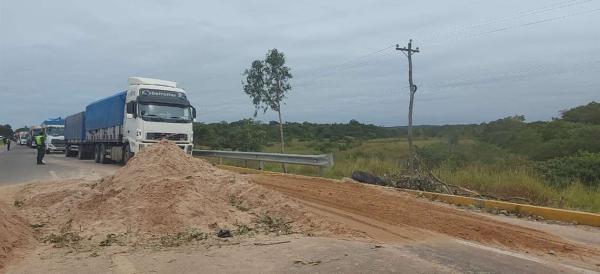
x=403, y=214
x=164, y=192
x=14, y=233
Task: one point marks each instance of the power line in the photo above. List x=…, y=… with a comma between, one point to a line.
x=350, y=61
x=338, y=68
x=526, y=73
x=344, y=65
x=522, y=14
x=536, y=22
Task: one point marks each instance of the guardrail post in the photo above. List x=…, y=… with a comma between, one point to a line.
x=220, y=161
x=261, y=165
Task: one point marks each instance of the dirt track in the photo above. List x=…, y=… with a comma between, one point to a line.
x=391, y=216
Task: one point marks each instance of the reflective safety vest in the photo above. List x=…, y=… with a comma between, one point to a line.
x=38, y=140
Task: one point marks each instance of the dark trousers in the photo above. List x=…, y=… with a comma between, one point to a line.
x=41, y=151
x=8, y=146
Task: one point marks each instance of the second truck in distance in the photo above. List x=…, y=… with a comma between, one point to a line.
x=117, y=127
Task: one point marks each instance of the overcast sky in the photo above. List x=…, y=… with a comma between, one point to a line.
x=479, y=60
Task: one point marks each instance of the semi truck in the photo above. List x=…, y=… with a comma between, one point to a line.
x=114, y=128
x=22, y=137
x=55, y=139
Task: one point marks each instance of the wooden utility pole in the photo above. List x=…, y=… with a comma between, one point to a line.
x=408, y=51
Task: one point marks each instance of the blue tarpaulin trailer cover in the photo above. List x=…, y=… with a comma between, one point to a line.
x=75, y=127
x=106, y=113
x=54, y=122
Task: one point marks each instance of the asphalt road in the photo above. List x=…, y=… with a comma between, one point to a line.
x=19, y=165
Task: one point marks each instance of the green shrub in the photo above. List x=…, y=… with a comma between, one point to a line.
x=583, y=167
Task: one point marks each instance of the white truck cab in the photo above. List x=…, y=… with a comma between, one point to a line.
x=155, y=110
x=55, y=139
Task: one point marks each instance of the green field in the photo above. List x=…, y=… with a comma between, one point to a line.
x=485, y=169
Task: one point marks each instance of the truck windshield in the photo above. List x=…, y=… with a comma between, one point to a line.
x=55, y=131
x=167, y=113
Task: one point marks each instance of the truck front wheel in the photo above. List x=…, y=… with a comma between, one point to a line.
x=97, y=153
x=102, y=156
x=81, y=153
x=126, y=154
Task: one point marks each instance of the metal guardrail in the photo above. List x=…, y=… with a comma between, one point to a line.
x=321, y=161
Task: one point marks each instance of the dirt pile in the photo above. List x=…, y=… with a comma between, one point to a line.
x=14, y=233
x=164, y=191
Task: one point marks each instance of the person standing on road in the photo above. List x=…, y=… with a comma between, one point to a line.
x=40, y=142
x=7, y=143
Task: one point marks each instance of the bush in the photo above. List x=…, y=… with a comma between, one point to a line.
x=460, y=155
x=583, y=167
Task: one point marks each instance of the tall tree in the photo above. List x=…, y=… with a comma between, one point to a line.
x=267, y=82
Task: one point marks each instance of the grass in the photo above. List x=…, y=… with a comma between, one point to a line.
x=487, y=170
x=499, y=182
x=378, y=156
x=522, y=183
x=273, y=224
x=188, y=236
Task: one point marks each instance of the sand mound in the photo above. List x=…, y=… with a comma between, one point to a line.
x=161, y=191
x=14, y=232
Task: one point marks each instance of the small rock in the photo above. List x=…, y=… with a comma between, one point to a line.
x=504, y=212
x=551, y=252
x=224, y=233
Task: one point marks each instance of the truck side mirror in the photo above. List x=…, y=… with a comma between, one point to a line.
x=194, y=112
x=131, y=109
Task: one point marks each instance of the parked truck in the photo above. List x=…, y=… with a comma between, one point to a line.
x=116, y=127
x=21, y=137
x=55, y=139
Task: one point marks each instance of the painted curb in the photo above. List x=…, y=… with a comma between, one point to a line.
x=549, y=213
x=578, y=217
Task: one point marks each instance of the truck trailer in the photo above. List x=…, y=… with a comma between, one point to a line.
x=55, y=139
x=116, y=127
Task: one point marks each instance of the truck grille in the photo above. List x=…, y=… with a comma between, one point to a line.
x=168, y=136
x=57, y=142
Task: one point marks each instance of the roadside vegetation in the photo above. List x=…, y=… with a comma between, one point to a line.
x=554, y=163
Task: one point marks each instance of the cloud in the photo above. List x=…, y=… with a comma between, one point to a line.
x=58, y=56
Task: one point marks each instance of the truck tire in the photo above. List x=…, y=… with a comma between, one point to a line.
x=81, y=153
x=126, y=154
x=102, y=156
x=97, y=153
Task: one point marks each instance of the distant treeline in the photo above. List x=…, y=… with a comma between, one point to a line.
x=6, y=130
x=249, y=134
